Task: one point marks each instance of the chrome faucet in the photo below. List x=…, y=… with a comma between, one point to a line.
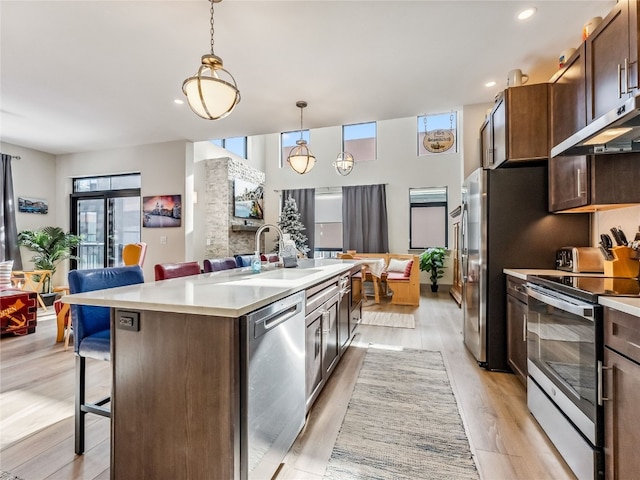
x=278, y=231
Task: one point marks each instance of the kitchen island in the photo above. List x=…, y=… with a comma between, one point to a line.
x=194, y=370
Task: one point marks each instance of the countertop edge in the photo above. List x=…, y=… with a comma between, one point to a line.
x=622, y=304
x=109, y=300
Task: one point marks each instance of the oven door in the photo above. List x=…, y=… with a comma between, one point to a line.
x=564, y=349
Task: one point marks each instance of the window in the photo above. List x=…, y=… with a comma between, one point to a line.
x=428, y=218
x=360, y=141
x=112, y=182
x=437, y=133
x=288, y=142
x=328, y=235
x=235, y=145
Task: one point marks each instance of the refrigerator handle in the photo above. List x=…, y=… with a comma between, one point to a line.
x=464, y=256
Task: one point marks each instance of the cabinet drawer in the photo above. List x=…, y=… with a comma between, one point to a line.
x=622, y=333
x=515, y=287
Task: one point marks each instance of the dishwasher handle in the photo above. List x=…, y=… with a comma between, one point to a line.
x=264, y=325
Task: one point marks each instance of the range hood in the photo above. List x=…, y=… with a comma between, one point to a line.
x=617, y=131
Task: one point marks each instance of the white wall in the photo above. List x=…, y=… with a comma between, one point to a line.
x=163, y=170
x=32, y=178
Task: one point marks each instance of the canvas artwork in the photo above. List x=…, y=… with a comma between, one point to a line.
x=247, y=200
x=33, y=205
x=162, y=211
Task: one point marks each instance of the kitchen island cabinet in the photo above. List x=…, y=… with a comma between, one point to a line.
x=621, y=377
x=182, y=363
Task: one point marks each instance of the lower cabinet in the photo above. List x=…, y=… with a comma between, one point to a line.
x=621, y=378
x=321, y=337
x=517, y=327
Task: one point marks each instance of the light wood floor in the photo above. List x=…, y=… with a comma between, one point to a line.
x=36, y=405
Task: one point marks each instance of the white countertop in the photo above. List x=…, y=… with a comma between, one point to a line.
x=228, y=293
x=630, y=305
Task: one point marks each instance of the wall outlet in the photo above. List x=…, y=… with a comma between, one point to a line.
x=163, y=240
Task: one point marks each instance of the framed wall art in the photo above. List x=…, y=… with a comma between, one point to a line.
x=162, y=211
x=33, y=205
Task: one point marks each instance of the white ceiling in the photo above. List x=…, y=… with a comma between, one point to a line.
x=89, y=75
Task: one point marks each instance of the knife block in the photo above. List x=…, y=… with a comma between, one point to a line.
x=623, y=265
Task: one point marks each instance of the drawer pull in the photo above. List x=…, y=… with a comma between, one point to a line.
x=601, y=368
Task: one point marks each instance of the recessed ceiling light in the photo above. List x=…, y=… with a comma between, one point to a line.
x=490, y=84
x=178, y=101
x=528, y=13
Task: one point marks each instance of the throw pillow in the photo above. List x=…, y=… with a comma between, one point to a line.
x=407, y=271
x=396, y=265
x=5, y=273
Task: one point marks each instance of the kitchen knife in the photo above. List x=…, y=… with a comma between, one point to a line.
x=606, y=241
x=623, y=237
x=616, y=236
x=605, y=252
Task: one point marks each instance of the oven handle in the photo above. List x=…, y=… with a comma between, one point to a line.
x=585, y=310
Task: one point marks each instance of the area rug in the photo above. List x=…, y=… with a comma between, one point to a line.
x=386, y=319
x=402, y=422
x=8, y=476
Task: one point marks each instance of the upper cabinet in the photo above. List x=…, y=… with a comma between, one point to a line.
x=612, y=60
x=516, y=129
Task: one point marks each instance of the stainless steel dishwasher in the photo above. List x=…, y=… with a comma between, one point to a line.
x=272, y=386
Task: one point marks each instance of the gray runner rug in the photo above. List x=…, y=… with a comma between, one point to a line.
x=386, y=319
x=402, y=422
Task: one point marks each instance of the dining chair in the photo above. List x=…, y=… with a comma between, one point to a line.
x=134, y=253
x=165, y=271
x=217, y=264
x=92, y=334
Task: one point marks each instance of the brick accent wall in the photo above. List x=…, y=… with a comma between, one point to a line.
x=223, y=242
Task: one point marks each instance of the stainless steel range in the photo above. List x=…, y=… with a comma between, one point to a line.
x=565, y=352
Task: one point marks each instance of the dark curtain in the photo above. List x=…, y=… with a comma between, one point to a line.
x=306, y=201
x=364, y=219
x=9, y=249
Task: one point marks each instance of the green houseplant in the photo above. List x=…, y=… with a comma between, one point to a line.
x=432, y=261
x=51, y=246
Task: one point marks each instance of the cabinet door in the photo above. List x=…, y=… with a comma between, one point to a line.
x=567, y=99
x=486, y=145
x=313, y=365
x=517, y=337
x=568, y=182
x=499, y=133
x=621, y=421
x=330, y=337
x=607, y=51
x=525, y=128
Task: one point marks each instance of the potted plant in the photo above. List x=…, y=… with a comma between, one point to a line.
x=432, y=261
x=51, y=246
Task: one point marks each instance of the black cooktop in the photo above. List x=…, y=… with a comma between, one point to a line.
x=589, y=288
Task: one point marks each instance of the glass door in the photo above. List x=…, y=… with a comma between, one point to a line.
x=106, y=213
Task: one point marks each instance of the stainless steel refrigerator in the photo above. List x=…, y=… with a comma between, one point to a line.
x=505, y=223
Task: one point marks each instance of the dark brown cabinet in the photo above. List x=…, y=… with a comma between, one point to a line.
x=621, y=392
x=587, y=184
x=612, y=55
x=516, y=129
x=517, y=327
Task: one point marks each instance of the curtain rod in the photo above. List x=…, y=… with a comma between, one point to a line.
x=13, y=157
x=333, y=188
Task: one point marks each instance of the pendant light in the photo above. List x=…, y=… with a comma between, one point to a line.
x=344, y=163
x=210, y=96
x=300, y=158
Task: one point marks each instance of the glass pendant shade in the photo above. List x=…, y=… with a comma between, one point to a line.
x=209, y=96
x=344, y=163
x=300, y=158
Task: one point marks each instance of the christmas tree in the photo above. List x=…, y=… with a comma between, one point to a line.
x=290, y=223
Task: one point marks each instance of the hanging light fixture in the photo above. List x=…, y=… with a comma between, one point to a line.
x=344, y=163
x=300, y=158
x=210, y=96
